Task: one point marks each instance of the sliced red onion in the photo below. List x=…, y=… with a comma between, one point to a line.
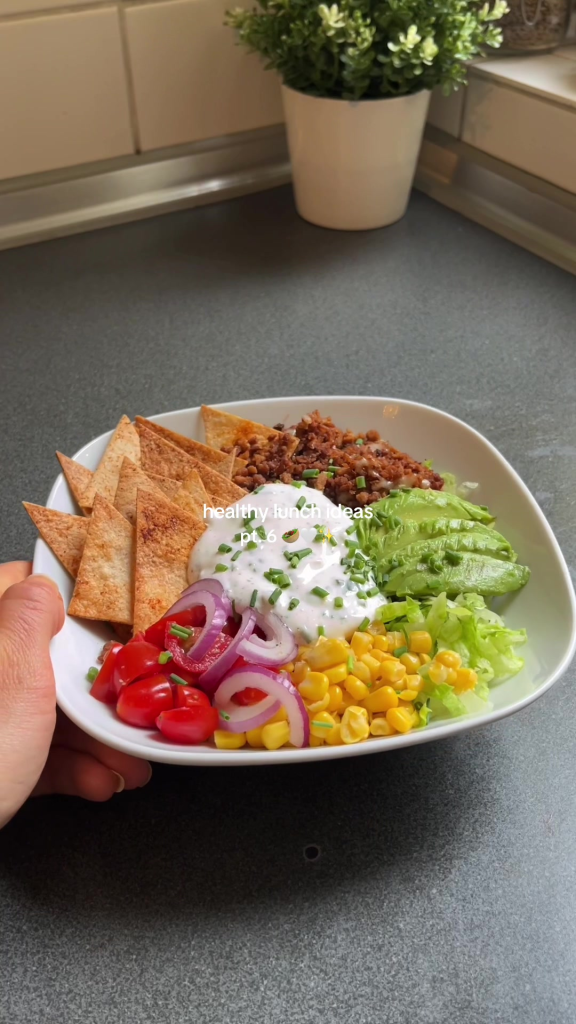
x=216, y=615
x=243, y=719
x=278, y=648
x=211, y=677
x=278, y=686
x=201, y=586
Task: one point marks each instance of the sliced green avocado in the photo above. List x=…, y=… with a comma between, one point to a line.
x=476, y=573
x=392, y=542
x=482, y=541
x=417, y=505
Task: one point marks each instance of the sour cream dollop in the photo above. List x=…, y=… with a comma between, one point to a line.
x=276, y=511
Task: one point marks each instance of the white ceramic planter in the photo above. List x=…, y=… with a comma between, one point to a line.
x=353, y=163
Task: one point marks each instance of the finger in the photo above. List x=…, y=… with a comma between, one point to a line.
x=133, y=770
x=71, y=773
x=13, y=572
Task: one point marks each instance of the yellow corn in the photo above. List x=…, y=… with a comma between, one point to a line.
x=377, y=629
x=356, y=688
x=346, y=702
x=334, y=697
x=315, y=741
x=299, y=672
x=411, y=662
x=354, y=726
x=379, y=655
x=466, y=679
x=381, y=727
x=372, y=665
x=392, y=672
x=449, y=658
x=381, y=700
x=275, y=735
x=396, y=639
x=362, y=672
x=321, y=725
x=425, y=659
x=229, y=740
x=288, y=668
x=361, y=643
x=437, y=673
x=337, y=674
x=450, y=675
x=254, y=738
x=381, y=643
x=326, y=653
x=409, y=695
x=414, y=682
x=319, y=705
x=314, y=687
x=420, y=642
x=400, y=719
x=280, y=716
x=333, y=737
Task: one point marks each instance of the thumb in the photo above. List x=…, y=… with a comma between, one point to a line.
x=31, y=613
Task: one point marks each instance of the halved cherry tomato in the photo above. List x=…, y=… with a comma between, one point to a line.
x=103, y=688
x=189, y=697
x=244, y=698
x=185, y=660
x=141, y=703
x=188, y=725
x=192, y=617
x=135, y=661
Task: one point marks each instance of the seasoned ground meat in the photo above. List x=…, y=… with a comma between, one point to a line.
x=354, y=469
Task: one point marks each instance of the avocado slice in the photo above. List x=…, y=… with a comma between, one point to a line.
x=417, y=504
x=474, y=573
x=483, y=542
x=385, y=543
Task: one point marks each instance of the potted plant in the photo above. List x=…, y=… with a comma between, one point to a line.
x=356, y=81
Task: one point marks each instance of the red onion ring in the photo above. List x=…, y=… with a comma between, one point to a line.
x=201, y=586
x=278, y=686
x=278, y=648
x=209, y=679
x=217, y=613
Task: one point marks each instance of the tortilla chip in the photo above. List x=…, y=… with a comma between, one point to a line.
x=165, y=536
x=223, y=430
x=219, y=461
x=192, y=495
x=78, y=477
x=131, y=478
x=64, y=534
x=165, y=483
x=221, y=491
x=124, y=442
x=161, y=457
x=105, y=581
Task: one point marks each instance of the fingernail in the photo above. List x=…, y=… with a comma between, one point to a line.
x=120, y=783
x=45, y=579
x=149, y=776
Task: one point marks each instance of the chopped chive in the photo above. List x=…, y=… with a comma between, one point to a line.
x=220, y=567
x=319, y=592
x=330, y=474
x=393, y=493
x=261, y=532
x=164, y=658
x=294, y=562
x=357, y=578
x=274, y=596
x=237, y=538
x=400, y=651
x=179, y=681
x=373, y=592
x=321, y=631
x=275, y=571
x=303, y=553
x=253, y=598
x=251, y=545
x=364, y=625
x=301, y=502
x=293, y=604
x=361, y=595
x=361, y=483
x=91, y=674
x=224, y=549
x=323, y=725
x=224, y=715
x=309, y=474
x=338, y=602
x=236, y=555
x=248, y=519
x=351, y=529
x=297, y=483
x=333, y=541
x=283, y=580
x=359, y=440
x=182, y=632
x=351, y=663
x=258, y=489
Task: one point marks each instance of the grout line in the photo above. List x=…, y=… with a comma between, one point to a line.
x=72, y=8
x=130, y=89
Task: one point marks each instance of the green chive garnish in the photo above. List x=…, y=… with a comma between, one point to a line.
x=220, y=567
x=254, y=598
x=321, y=631
x=237, y=538
x=322, y=725
x=357, y=578
x=373, y=592
x=393, y=493
x=164, y=658
x=301, y=502
x=236, y=555
x=359, y=440
x=261, y=532
x=91, y=674
x=297, y=483
x=361, y=595
x=274, y=596
x=364, y=625
x=224, y=549
x=294, y=563
x=293, y=604
x=258, y=489
x=303, y=553
x=338, y=602
x=361, y=483
x=351, y=529
x=351, y=663
x=182, y=632
x=309, y=474
x=400, y=651
x=283, y=580
x=224, y=715
x=333, y=541
x=179, y=681
x=319, y=592
x=251, y=545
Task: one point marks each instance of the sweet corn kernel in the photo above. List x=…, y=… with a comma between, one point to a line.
x=411, y=662
x=409, y=695
x=347, y=701
x=450, y=676
x=466, y=679
x=437, y=673
x=337, y=674
x=326, y=653
x=381, y=643
x=275, y=735
x=400, y=719
x=362, y=672
x=449, y=658
x=254, y=738
x=315, y=741
x=334, y=697
x=395, y=640
x=229, y=740
x=314, y=687
x=425, y=659
x=361, y=643
x=372, y=665
x=420, y=642
x=288, y=668
x=356, y=688
x=381, y=700
x=318, y=705
x=354, y=726
x=379, y=655
x=299, y=672
x=280, y=716
x=321, y=725
x=381, y=727
x=414, y=718
x=333, y=737
x=377, y=629
x=392, y=671
x=414, y=682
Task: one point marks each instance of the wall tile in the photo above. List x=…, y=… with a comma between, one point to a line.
x=445, y=112
x=547, y=75
x=63, y=97
x=25, y=6
x=191, y=81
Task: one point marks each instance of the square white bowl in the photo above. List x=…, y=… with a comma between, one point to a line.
x=545, y=607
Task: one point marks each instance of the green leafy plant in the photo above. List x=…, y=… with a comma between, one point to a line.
x=369, y=48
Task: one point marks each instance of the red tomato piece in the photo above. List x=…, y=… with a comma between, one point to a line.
x=103, y=688
x=188, y=725
x=185, y=659
x=192, y=617
x=142, y=702
x=249, y=696
x=136, y=660
x=189, y=697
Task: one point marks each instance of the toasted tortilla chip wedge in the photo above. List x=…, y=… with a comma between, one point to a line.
x=219, y=461
x=64, y=534
x=223, y=430
x=192, y=495
x=165, y=483
x=131, y=478
x=124, y=442
x=221, y=491
x=78, y=477
x=165, y=536
x=162, y=457
x=105, y=582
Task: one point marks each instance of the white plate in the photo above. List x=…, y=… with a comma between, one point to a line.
x=545, y=607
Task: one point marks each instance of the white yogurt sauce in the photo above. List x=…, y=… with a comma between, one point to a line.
x=276, y=512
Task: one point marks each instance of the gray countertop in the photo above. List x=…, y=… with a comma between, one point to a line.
x=445, y=886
